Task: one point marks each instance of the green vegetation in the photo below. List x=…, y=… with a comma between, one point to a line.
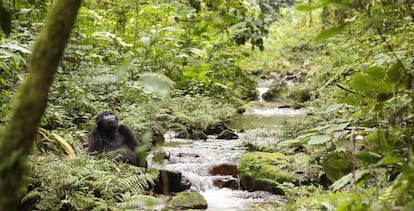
x=191, y=67
x=357, y=64
x=85, y=184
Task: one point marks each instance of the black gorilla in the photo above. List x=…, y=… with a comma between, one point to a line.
x=113, y=139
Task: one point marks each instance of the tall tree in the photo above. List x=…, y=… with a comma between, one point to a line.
x=16, y=139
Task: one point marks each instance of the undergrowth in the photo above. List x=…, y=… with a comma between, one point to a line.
x=85, y=183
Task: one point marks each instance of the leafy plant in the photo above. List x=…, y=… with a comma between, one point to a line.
x=86, y=183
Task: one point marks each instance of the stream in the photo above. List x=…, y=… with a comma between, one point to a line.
x=195, y=159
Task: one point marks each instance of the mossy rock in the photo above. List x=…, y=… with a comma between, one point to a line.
x=265, y=171
x=227, y=134
x=187, y=200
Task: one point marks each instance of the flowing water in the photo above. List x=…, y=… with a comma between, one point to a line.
x=195, y=159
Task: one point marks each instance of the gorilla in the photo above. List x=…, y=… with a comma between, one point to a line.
x=113, y=139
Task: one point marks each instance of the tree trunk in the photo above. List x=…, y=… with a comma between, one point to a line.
x=17, y=138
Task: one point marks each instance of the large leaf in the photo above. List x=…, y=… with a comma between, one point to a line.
x=319, y=139
x=349, y=178
x=371, y=84
x=157, y=83
x=368, y=157
x=307, y=7
x=325, y=34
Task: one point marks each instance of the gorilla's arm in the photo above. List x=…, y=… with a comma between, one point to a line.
x=94, y=142
x=128, y=136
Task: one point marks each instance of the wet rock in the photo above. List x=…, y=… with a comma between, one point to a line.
x=265, y=171
x=224, y=169
x=227, y=182
x=216, y=129
x=250, y=184
x=227, y=134
x=187, y=200
x=170, y=181
x=184, y=154
x=192, y=134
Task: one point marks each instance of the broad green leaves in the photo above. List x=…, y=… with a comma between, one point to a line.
x=325, y=34
x=375, y=84
x=321, y=134
x=157, y=83
x=319, y=139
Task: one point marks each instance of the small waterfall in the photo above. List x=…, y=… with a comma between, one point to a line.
x=261, y=91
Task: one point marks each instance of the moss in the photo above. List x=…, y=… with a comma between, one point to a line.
x=264, y=171
x=187, y=200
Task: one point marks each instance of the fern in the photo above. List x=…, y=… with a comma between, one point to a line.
x=84, y=183
x=136, y=201
x=137, y=183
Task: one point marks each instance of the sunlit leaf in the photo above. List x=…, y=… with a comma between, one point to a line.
x=337, y=127
x=16, y=47
x=319, y=139
x=157, y=83
x=198, y=52
x=325, y=34
x=358, y=174
x=389, y=161
x=16, y=57
x=307, y=7
x=65, y=145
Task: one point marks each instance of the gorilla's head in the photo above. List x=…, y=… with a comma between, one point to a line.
x=107, y=120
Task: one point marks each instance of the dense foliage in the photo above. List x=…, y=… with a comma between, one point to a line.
x=359, y=67
x=353, y=62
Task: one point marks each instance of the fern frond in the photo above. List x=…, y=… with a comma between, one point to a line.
x=137, y=183
x=32, y=195
x=130, y=201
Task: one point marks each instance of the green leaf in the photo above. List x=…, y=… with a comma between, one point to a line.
x=368, y=157
x=340, y=2
x=335, y=107
x=325, y=34
x=348, y=179
x=157, y=83
x=307, y=7
x=389, y=161
x=376, y=72
x=337, y=127
x=395, y=73
x=319, y=139
x=199, y=52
